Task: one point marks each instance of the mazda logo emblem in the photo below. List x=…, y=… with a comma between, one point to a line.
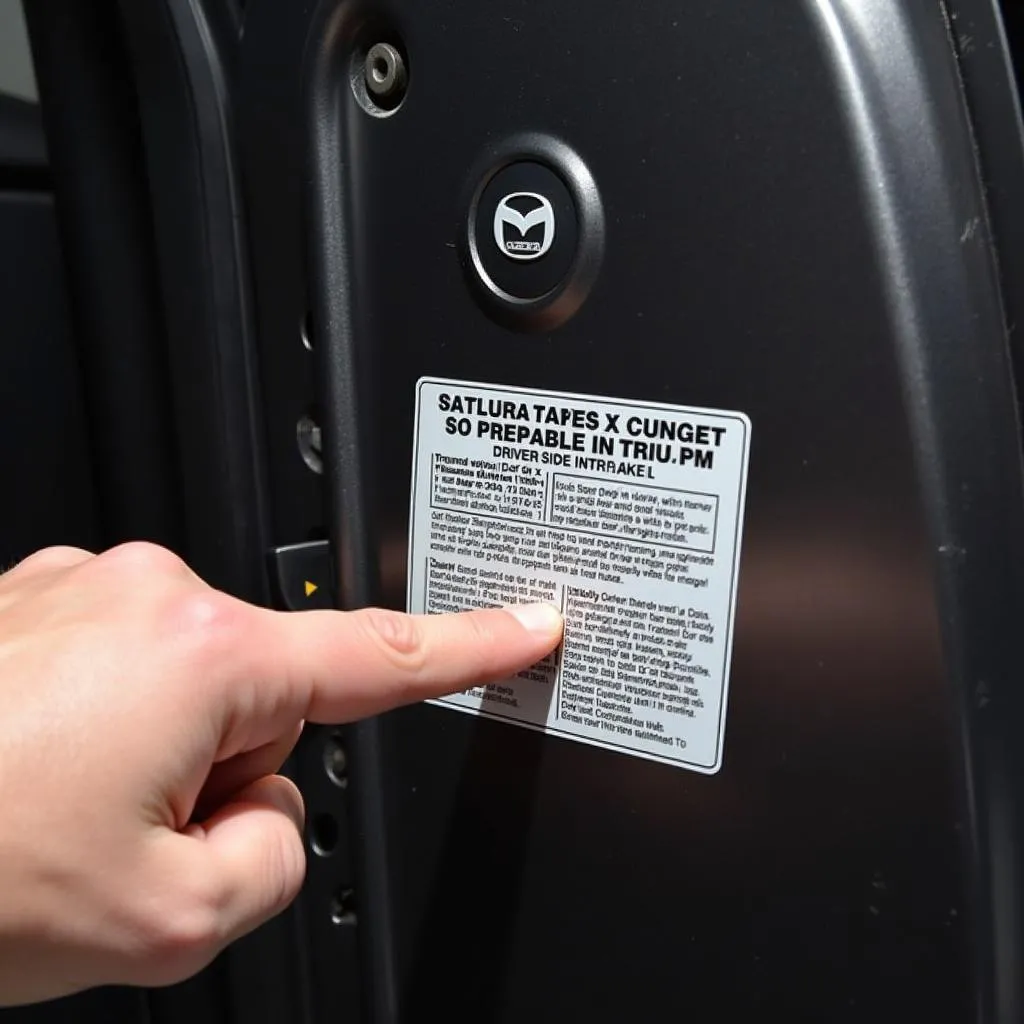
x=524, y=231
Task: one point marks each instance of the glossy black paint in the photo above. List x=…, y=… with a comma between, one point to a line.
x=796, y=229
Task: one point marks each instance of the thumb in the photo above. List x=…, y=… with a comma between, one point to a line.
x=246, y=863
x=255, y=843
x=219, y=880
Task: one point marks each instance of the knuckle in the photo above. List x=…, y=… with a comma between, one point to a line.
x=142, y=557
x=207, y=618
x=177, y=936
x=54, y=557
x=398, y=636
x=42, y=563
x=189, y=931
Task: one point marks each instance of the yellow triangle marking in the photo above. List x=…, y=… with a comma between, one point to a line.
x=311, y=588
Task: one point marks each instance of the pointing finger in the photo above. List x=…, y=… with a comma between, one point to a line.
x=380, y=659
x=327, y=666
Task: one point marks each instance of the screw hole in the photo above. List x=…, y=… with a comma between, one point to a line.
x=323, y=834
x=343, y=907
x=336, y=761
x=380, y=69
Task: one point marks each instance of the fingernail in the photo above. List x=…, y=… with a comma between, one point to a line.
x=542, y=619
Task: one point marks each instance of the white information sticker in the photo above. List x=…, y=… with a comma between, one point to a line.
x=627, y=516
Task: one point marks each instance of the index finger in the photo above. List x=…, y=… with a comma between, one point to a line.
x=333, y=667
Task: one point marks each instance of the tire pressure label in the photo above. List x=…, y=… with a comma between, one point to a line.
x=627, y=516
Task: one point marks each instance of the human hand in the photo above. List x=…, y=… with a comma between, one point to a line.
x=143, y=717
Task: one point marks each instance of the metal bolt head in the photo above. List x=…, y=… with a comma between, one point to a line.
x=384, y=72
